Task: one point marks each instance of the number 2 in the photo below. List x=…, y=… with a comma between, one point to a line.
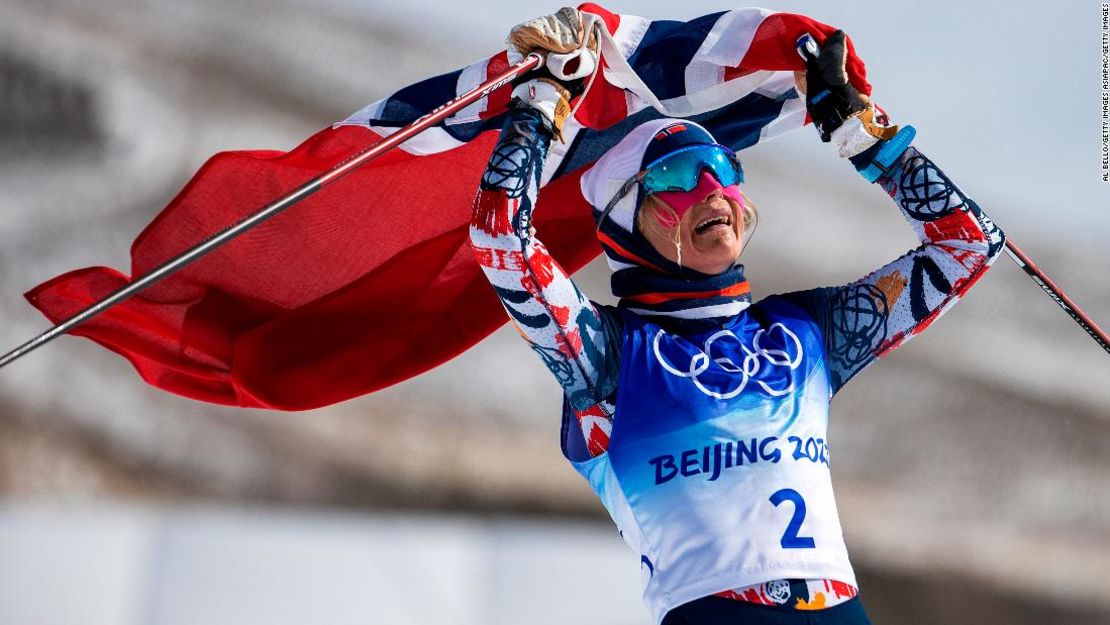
x=790, y=538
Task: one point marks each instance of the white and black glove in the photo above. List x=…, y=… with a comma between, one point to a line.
x=568, y=42
x=841, y=114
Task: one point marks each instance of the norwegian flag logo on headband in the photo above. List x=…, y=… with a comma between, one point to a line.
x=669, y=130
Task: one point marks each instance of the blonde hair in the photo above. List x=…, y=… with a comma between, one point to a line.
x=751, y=220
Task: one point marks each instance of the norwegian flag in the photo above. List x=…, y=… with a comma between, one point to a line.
x=372, y=281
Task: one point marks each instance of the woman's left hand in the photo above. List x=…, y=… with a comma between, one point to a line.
x=839, y=111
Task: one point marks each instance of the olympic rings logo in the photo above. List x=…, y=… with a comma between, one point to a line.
x=748, y=368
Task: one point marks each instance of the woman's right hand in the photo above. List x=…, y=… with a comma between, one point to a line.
x=568, y=43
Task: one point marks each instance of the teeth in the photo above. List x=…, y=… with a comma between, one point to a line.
x=712, y=221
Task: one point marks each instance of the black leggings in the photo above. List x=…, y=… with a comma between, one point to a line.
x=719, y=611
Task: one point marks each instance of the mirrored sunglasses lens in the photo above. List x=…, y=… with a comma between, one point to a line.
x=680, y=171
x=724, y=167
x=677, y=172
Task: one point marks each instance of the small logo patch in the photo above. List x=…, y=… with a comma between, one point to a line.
x=669, y=130
x=777, y=591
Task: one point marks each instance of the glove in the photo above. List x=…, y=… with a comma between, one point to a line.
x=839, y=111
x=569, y=45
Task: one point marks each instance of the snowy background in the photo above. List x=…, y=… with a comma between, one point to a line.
x=972, y=464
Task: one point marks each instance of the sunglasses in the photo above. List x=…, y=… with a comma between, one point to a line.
x=680, y=171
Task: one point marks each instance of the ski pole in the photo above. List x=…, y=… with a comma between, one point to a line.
x=217, y=239
x=1061, y=298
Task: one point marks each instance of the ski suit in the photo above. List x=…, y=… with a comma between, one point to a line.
x=706, y=439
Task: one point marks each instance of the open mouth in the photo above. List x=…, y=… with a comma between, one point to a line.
x=715, y=221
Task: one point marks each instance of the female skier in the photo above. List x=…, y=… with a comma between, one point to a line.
x=699, y=417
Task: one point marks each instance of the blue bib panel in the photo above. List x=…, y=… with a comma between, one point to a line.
x=717, y=471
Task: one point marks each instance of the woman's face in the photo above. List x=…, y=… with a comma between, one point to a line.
x=710, y=234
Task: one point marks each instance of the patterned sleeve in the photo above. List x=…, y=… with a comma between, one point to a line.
x=574, y=338
x=868, y=318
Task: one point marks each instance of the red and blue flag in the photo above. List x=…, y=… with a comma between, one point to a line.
x=372, y=280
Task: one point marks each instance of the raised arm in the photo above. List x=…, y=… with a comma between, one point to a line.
x=558, y=322
x=868, y=318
